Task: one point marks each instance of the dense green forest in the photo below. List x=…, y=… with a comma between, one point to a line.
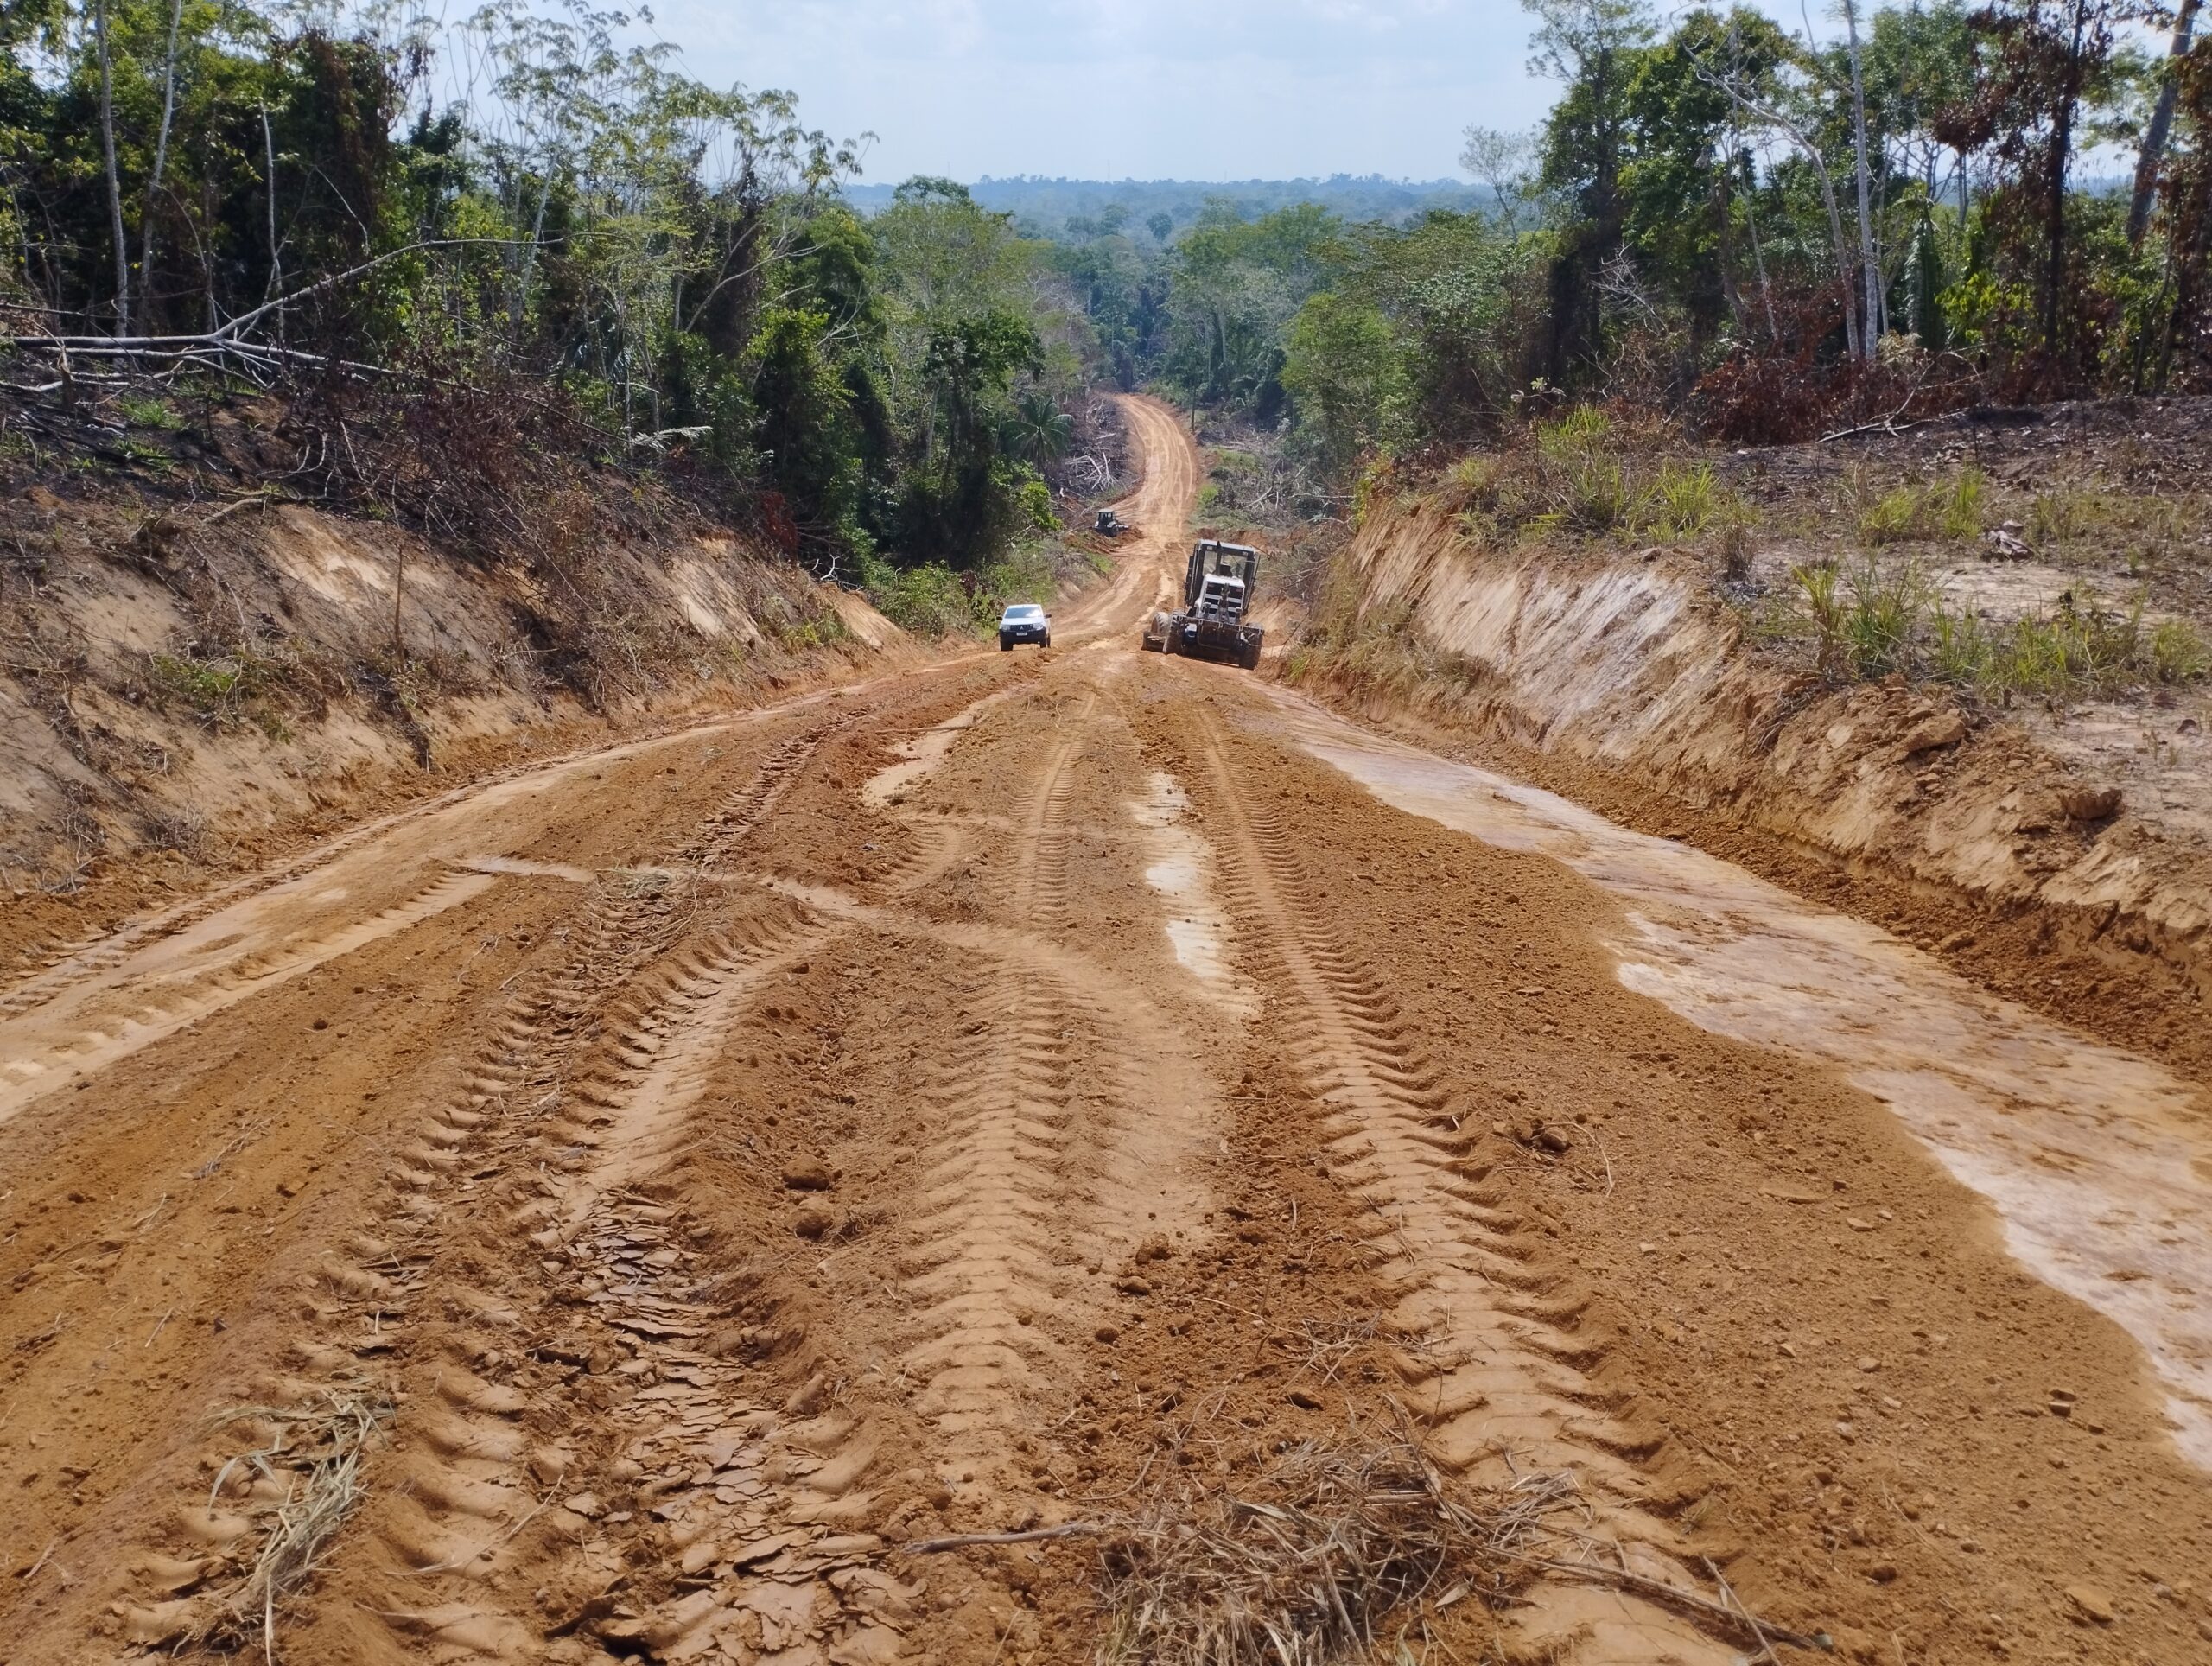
x=534, y=225
x=1722, y=220
x=525, y=228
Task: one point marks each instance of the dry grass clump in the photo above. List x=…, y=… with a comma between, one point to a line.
x=1342, y=1544
x=1874, y=618
x=1588, y=477
x=316, y=1453
x=1379, y=651
x=1951, y=510
x=1336, y=1541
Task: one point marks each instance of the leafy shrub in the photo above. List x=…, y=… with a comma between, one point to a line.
x=927, y=601
x=209, y=685
x=935, y=600
x=222, y=690
x=1035, y=499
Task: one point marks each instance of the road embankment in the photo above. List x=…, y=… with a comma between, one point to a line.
x=193, y=689
x=1628, y=683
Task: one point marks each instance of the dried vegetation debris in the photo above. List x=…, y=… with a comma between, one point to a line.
x=1344, y=1545
x=270, y=1512
x=1313, y=1563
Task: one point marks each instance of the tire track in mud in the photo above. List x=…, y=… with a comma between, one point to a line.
x=1053, y=1103
x=750, y=1500
x=496, y=1462
x=1500, y=1381
x=63, y=1022
x=1042, y=887
x=1001, y=1094
x=517, y=1511
x=542, y=1090
x=980, y=1266
x=1035, y=1106
x=45, y=1048
x=67, y=963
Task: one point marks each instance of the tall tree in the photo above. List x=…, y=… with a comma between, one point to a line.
x=2047, y=59
x=1502, y=159
x=1870, y=273
x=1589, y=46
x=105, y=54
x=2162, y=120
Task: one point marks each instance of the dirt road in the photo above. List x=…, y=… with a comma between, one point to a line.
x=619, y=1211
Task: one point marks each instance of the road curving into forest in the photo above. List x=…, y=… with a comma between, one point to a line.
x=620, y=1209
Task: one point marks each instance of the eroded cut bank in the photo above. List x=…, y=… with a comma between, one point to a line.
x=1636, y=674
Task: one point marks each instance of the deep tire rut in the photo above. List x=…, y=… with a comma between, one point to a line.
x=1496, y=1376
x=982, y=1267
x=562, y=1073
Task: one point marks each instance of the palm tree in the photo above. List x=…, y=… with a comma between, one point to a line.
x=1038, y=431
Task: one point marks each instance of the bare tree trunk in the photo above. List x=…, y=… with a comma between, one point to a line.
x=1870, y=274
x=2162, y=122
x=1729, y=289
x=2061, y=159
x=1881, y=244
x=1842, y=252
x=276, y=255
x=161, y=154
x=1758, y=265
x=1798, y=136
x=515, y=308
x=114, y=181
x=1750, y=211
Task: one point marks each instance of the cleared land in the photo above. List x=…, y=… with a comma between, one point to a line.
x=629, y=1210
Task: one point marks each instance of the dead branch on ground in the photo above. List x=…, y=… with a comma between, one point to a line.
x=1309, y=1565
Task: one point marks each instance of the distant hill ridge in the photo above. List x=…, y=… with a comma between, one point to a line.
x=1045, y=205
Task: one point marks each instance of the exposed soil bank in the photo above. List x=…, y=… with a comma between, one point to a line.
x=191, y=689
x=2098, y=1161
x=1631, y=687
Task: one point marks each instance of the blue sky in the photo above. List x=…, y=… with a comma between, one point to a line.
x=1109, y=89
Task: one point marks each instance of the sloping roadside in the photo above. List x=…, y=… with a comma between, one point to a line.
x=194, y=692
x=1628, y=687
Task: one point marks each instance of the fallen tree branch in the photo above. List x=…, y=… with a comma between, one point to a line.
x=961, y=1540
x=1734, y=1619
x=229, y=331
x=1885, y=426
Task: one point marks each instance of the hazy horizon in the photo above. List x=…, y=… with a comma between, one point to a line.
x=1228, y=92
